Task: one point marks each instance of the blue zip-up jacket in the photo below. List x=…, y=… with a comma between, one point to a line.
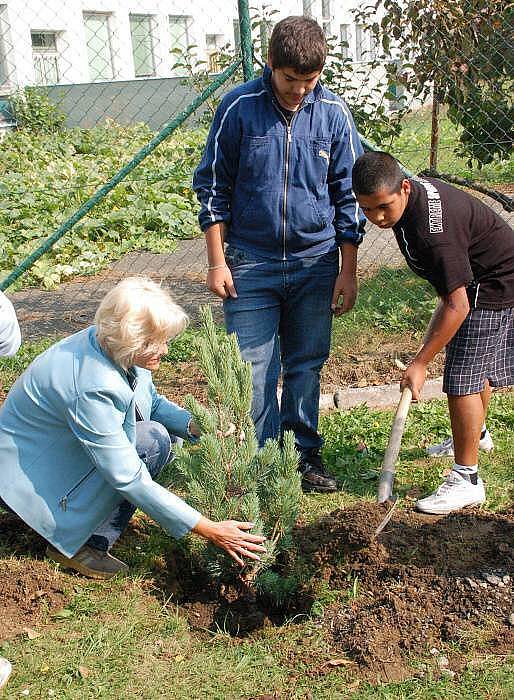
x=68, y=444
x=282, y=191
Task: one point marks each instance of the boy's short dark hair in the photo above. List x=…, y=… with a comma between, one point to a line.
x=375, y=171
x=298, y=43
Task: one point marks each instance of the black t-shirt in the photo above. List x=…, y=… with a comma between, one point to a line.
x=452, y=239
x=288, y=113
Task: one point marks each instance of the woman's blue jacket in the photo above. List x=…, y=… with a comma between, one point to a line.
x=67, y=444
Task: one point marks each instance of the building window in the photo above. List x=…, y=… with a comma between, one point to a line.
x=365, y=45
x=360, y=48
x=98, y=42
x=345, y=40
x=4, y=43
x=265, y=30
x=307, y=8
x=373, y=49
x=214, y=44
x=45, y=57
x=326, y=17
x=237, y=34
x=179, y=38
x=143, y=43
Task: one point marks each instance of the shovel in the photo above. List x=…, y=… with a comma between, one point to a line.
x=385, y=484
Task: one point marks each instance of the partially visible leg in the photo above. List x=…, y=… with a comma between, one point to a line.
x=305, y=333
x=462, y=487
x=470, y=359
x=254, y=317
x=154, y=446
x=446, y=448
x=467, y=418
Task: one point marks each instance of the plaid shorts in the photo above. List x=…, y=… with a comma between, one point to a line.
x=482, y=348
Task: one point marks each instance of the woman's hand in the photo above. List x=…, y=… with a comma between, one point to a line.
x=231, y=536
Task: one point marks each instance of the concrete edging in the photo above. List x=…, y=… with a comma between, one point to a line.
x=383, y=396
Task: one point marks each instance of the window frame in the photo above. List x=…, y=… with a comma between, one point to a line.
x=45, y=56
x=187, y=24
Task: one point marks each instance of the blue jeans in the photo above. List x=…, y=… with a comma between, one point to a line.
x=154, y=447
x=283, y=321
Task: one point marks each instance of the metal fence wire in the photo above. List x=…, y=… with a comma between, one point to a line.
x=105, y=106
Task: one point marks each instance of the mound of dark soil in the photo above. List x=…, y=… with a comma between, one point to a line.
x=29, y=588
x=422, y=582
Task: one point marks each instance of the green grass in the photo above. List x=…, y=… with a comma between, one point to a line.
x=125, y=639
x=390, y=303
x=412, y=147
x=12, y=367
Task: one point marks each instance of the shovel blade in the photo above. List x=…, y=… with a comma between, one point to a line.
x=393, y=502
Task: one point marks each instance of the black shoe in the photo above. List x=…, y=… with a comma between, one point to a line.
x=314, y=475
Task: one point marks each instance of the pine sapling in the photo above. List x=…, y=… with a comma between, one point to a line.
x=227, y=477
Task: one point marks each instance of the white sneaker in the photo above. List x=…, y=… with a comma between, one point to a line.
x=5, y=671
x=454, y=493
x=445, y=448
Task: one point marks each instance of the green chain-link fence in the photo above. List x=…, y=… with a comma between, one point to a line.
x=87, y=89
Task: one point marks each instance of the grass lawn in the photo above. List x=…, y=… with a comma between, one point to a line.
x=128, y=638
x=412, y=147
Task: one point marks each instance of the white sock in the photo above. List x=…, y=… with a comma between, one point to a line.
x=468, y=472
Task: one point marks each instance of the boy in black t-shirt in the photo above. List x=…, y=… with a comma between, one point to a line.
x=466, y=252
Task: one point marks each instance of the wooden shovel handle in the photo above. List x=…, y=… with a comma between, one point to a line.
x=385, y=484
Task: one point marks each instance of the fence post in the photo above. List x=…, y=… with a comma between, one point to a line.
x=434, y=135
x=245, y=32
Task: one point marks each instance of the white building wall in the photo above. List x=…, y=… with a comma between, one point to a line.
x=65, y=17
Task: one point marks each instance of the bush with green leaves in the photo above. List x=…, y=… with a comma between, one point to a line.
x=461, y=53
x=46, y=177
x=35, y=112
x=227, y=477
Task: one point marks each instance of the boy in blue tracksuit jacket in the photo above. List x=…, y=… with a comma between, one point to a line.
x=274, y=185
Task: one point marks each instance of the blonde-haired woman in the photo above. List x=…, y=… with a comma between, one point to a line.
x=83, y=434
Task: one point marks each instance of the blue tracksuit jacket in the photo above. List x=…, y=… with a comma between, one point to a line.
x=283, y=191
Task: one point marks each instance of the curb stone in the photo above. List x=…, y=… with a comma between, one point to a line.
x=383, y=396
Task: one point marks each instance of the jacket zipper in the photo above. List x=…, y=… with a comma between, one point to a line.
x=64, y=500
x=289, y=127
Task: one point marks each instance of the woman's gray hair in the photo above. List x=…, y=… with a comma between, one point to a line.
x=135, y=317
